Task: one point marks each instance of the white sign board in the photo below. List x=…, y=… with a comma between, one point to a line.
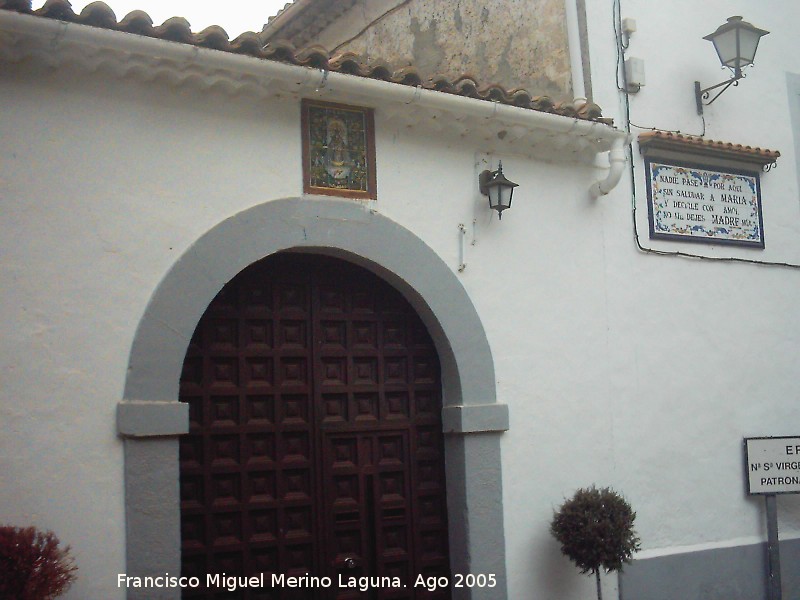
x=773, y=465
x=695, y=204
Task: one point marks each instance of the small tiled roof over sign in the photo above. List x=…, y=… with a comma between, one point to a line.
x=177, y=29
x=668, y=140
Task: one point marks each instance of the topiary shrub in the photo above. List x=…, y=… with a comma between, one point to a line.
x=595, y=530
x=32, y=566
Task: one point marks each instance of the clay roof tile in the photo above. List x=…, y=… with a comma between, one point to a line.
x=347, y=62
x=407, y=76
x=98, y=14
x=493, y=92
x=589, y=110
x=313, y=56
x=380, y=70
x=564, y=108
x=281, y=51
x=176, y=29
x=441, y=83
x=57, y=9
x=138, y=22
x=466, y=86
x=23, y=6
x=519, y=97
x=670, y=140
x=542, y=103
x=214, y=37
x=247, y=43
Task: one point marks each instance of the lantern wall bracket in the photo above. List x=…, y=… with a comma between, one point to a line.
x=736, y=42
x=498, y=189
x=703, y=94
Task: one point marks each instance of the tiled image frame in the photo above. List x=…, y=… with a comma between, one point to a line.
x=710, y=180
x=338, y=150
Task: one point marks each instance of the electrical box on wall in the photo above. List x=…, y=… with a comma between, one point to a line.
x=628, y=26
x=634, y=74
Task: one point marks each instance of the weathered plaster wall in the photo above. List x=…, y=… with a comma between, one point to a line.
x=516, y=43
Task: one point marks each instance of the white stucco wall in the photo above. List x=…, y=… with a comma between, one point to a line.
x=104, y=184
x=620, y=368
x=692, y=355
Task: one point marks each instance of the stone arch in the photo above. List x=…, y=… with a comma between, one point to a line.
x=150, y=418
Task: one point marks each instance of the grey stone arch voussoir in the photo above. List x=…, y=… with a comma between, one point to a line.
x=150, y=418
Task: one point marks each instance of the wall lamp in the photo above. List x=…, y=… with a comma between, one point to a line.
x=499, y=189
x=736, y=42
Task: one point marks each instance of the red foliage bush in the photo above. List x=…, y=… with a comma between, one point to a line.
x=32, y=566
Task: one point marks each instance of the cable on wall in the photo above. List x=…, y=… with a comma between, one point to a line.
x=370, y=24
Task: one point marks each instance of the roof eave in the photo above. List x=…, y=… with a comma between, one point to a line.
x=496, y=127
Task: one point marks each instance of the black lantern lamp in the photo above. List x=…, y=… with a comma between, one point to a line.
x=736, y=43
x=499, y=189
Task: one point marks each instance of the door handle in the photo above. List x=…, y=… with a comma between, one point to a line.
x=350, y=562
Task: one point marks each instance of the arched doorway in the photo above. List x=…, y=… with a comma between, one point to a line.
x=315, y=441
x=150, y=420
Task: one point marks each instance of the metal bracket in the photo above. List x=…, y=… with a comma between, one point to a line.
x=703, y=94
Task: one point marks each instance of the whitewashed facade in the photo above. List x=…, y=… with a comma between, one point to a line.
x=138, y=176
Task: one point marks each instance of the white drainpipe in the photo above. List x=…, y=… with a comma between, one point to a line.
x=617, y=160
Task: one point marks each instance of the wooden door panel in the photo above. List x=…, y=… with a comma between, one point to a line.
x=315, y=434
x=349, y=532
x=366, y=482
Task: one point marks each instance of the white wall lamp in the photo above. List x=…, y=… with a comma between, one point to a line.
x=736, y=42
x=499, y=189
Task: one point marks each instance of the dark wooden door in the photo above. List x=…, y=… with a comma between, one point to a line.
x=315, y=442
